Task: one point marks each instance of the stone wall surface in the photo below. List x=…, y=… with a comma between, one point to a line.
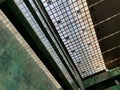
x=18, y=71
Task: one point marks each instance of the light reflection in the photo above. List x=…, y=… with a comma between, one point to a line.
x=76, y=23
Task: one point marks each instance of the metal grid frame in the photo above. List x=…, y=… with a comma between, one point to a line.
x=23, y=8
x=52, y=37
x=74, y=25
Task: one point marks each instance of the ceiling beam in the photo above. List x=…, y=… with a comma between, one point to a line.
x=50, y=40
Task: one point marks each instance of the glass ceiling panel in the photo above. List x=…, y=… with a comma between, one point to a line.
x=52, y=37
x=23, y=8
x=74, y=25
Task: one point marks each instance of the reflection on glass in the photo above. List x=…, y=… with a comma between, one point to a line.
x=74, y=25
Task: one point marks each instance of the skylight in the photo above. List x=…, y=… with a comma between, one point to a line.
x=74, y=25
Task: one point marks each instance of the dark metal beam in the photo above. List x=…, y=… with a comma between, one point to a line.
x=53, y=35
x=56, y=33
x=18, y=20
x=53, y=30
x=50, y=40
x=67, y=57
x=105, y=84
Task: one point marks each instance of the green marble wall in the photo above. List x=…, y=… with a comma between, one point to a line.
x=17, y=69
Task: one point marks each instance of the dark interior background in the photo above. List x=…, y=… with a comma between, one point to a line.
x=110, y=44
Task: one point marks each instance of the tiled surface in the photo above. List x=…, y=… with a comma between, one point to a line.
x=74, y=25
x=25, y=11
x=18, y=71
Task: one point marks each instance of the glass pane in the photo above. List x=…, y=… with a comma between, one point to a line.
x=74, y=25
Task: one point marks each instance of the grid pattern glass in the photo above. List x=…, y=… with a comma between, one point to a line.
x=23, y=8
x=52, y=37
x=75, y=27
x=23, y=43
